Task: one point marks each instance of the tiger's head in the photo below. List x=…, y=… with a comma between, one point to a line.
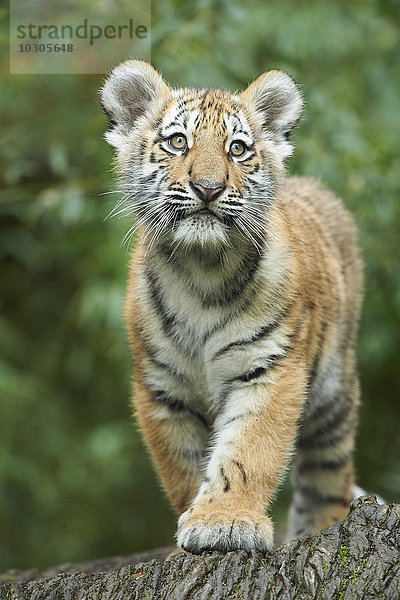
x=199, y=166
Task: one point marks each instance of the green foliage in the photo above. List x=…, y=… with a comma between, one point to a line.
x=75, y=479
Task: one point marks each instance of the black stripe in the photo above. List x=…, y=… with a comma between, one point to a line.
x=255, y=337
x=173, y=403
x=170, y=368
x=238, y=309
x=245, y=415
x=177, y=187
x=299, y=324
x=232, y=419
x=243, y=160
x=228, y=290
x=335, y=419
x=169, y=323
x=250, y=375
x=272, y=361
x=170, y=153
x=241, y=469
x=174, y=123
x=314, y=368
x=232, y=202
x=111, y=121
x=177, y=120
x=301, y=510
x=336, y=416
x=223, y=397
x=214, y=261
x=178, y=195
x=319, y=410
x=177, y=406
x=321, y=498
x=326, y=442
x=227, y=484
x=176, y=203
x=256, y=168
x=323, y=465
x=148, y=178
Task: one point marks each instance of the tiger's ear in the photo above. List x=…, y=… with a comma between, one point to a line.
x=130, y=90
x=277, y=100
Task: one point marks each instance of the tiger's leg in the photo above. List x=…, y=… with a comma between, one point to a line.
x=177, y=437
x=254, y=434
x=322, y=473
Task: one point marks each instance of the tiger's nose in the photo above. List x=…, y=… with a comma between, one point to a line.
x=207, y=190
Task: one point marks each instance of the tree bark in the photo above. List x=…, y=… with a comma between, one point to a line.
x=357, y=559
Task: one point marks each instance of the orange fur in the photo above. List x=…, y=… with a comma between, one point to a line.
x=242, y=308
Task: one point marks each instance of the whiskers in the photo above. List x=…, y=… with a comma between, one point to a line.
x=122, y=208
x=250, y=217
x=152, y=213
x=157, y=212
x=254, y=220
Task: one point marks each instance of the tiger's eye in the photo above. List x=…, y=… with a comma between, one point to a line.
x=178, y=141
x=237, y=148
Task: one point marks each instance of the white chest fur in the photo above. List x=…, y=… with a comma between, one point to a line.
x=205, y=325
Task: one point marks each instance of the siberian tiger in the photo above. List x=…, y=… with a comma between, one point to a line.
x=242, y=307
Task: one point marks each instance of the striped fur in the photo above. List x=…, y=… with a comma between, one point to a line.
x=242, y=307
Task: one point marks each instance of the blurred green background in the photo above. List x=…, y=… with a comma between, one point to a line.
x=75, y=481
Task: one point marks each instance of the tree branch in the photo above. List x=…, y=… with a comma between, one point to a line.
x=356, y=559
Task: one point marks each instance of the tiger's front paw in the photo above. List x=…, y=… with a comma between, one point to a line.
x=224, y=531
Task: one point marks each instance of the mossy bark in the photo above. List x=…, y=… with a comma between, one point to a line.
x=357, y=559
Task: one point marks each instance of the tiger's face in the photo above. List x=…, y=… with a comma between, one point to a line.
x=199, y=167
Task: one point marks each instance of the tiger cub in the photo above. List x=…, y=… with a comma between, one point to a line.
x=242, y=307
